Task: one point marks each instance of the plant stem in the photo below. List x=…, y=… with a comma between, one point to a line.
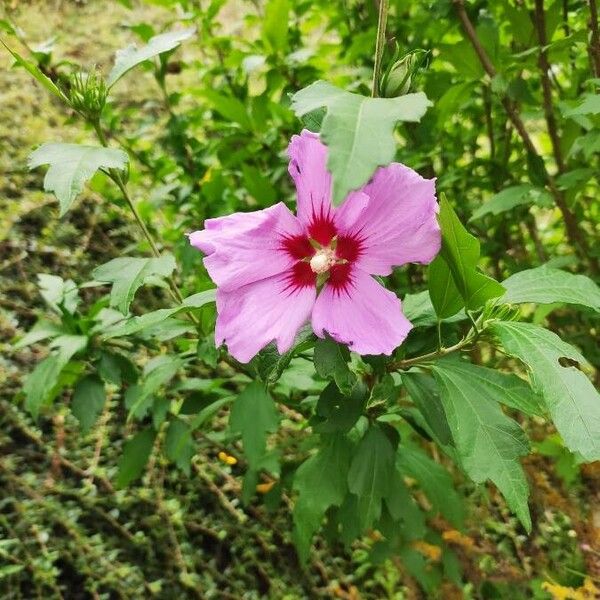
x=384, y=6
x=594, y=47
x=116, y=177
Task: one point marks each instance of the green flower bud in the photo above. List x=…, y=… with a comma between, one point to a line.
x=398, y=78
x=87, y=94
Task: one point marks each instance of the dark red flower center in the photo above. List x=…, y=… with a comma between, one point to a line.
x=322, y=253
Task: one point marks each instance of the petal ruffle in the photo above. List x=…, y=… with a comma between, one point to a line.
x=308, y=160
x=256, y=314
x=246, y=247
x=398, y=224
x=362, y=314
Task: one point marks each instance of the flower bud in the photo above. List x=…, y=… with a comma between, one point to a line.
x=398, y=78
x=87, y=94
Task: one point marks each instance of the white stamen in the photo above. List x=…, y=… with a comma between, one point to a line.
x=322, y=261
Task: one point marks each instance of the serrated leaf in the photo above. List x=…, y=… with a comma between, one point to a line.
x=129, y=57
x=460, y=250
x=331, y=362
x=71, y=166
x=58, y=293
x=358, y=130
x=435, y=481
x=39, y=386
x=336, y=412
x=321, y=483
x=444, y=295
x=88, y=401
x=151, y=319
x=41, y=331
x=35, y=72
x=254, y=415
x=136, y=453
x=128, y=274
x=369, y=474
x=572, y=400
x=424, y=392
x=546, y=285
x=488, y=442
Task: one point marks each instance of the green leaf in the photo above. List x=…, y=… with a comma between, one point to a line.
x=128, y=274
x=151, y=319
x=41, y=331
x=546, y=285
x=424, y=392
x=36, y=74
x=129, y=57
x=231, y=108
x=159, y=371
x=179, y=446
x=88, y=401
x=321, y=483
x=460, y=250
x=40, y=384
x=275, y=25
x=369, y=474
x=136, y=453
x=444, y=294
x=504, y=201
x=331, y=362
x=435, y=481
x=254, y=415
x=337, y=412
x=358, y=130
x=572, y=400
x=58, y=293
x=71, y=166
x=488, y=442
x=590, y=105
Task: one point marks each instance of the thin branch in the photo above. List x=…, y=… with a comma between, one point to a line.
x=594, y=38
x=384, y=6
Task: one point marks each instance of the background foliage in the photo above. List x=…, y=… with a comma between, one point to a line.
x=138, y=459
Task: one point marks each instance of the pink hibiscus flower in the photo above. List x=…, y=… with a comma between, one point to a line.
x=275, y=271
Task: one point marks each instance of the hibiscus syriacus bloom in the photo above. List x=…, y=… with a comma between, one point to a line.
x=275, y=271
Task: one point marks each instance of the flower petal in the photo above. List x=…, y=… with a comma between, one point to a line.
x=254, y=315
x=398, y=225
x=246, y=247
x=308, y=160
x=362, y=314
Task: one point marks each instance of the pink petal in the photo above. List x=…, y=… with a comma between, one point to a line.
x=256, y=314
x=246, y=247
x=398, y=224
x=362, y=314
x=308, y=159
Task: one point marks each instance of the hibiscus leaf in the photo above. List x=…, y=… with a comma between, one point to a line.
x=321, y=483
x=88, y=401
x=546, y=285
x=71, y=166
x=358, y=130
x=254, y=415
x=331, y=362
x=129, y=57
x=151, y=319
x=369, y=474
x=128, y=274
x=40, y=386
x=572, y=400
x=136, y=453
x=444, y=294
x=488, y=442
x=461, y=252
